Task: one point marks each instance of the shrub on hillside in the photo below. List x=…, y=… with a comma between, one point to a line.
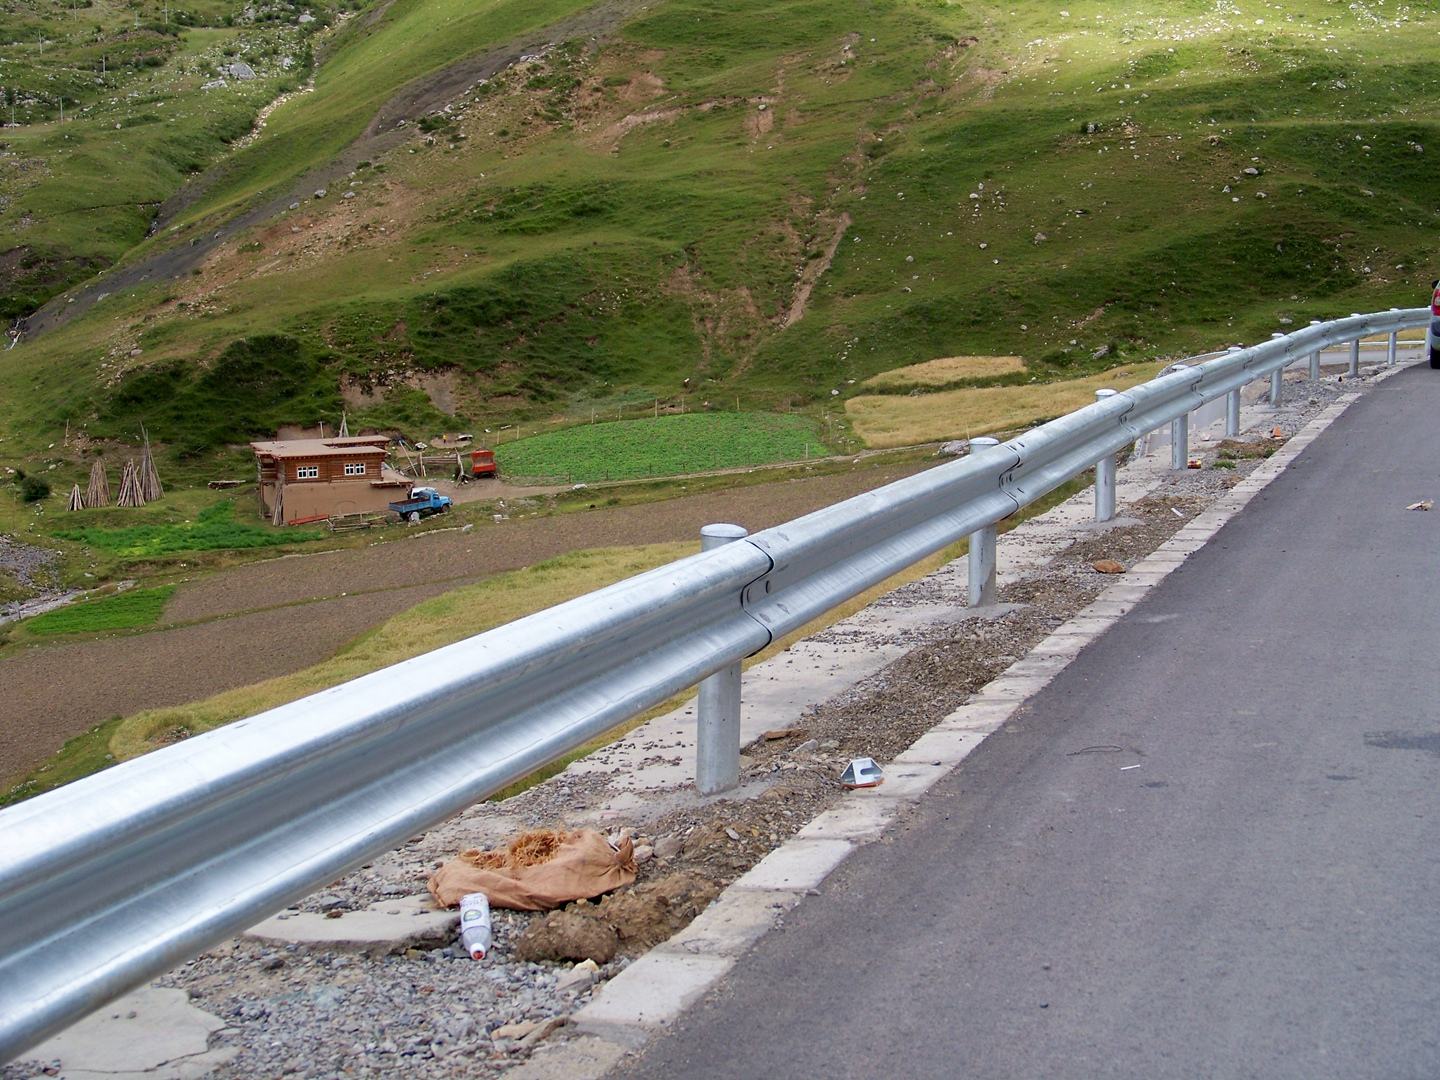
x=33, y=488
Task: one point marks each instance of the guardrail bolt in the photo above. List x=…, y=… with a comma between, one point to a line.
x=1355, y=350
x=717, y=720
x=1105, y=476
x=981, y=560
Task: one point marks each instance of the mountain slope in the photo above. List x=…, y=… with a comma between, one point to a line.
x=694, y=201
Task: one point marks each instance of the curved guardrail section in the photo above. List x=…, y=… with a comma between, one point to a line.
x=117, y=877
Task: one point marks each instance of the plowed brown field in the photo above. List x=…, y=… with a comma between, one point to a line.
x=279, y=616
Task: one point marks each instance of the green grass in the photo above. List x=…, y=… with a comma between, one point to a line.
x=124, y=611
x=662, y=446
x=84, y=754
x=214, y=528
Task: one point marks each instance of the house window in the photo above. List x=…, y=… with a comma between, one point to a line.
x=354, y=468
x=307, y=472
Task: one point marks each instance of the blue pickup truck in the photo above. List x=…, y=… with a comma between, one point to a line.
x=421, y=502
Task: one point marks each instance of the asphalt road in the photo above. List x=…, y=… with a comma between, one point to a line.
x=1260, y=898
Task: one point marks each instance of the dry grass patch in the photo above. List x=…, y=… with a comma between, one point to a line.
x=888, y=420
x=947, y=369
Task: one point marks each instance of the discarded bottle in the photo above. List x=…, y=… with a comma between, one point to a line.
x=475, y=924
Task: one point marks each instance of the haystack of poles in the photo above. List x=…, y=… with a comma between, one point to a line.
x=98, y=493
x=150, y=488
x=131, y=493
x=139, y=484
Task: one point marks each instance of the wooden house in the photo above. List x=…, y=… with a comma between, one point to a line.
x=303, y=480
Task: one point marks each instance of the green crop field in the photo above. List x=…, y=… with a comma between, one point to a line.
x=214, y=528
x=124, y=611
x=662, y=446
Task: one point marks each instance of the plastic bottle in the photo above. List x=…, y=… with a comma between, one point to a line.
x=475, y=924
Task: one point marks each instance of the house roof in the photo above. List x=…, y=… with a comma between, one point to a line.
x=354, y=446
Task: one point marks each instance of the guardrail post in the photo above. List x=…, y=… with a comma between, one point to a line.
x=1355, y=351
x=1180, y=432
x=717, y=719
x=1232, y=405
x=1391, y=352
x=982, y=561
x=1105, y=476
x=1315, y=357
x=1277, y=378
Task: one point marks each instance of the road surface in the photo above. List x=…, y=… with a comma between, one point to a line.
x=1259, y=898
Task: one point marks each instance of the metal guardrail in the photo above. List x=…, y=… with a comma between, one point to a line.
x=117, y=877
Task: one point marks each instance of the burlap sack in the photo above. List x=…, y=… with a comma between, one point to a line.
x=538, y=871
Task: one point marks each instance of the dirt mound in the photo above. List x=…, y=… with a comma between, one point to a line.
x=568, y=935
x=630, y=920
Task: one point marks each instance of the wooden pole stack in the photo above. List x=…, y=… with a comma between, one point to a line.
x=130, y=487
x=150, y=488
x=77, y=501
x=344, y=426
x=98, y=493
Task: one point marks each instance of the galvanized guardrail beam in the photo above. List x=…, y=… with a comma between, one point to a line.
x=159, y=857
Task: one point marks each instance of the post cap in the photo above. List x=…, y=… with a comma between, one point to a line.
x=712, y=536
x=1103, y=394
x=983, y=442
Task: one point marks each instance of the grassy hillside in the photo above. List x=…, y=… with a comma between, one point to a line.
x=109, y=107
x=690, y=199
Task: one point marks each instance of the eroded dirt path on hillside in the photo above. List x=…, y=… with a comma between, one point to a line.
x=422, y=95
x=55, y=692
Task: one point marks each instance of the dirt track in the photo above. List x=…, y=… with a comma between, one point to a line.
x=54, y=692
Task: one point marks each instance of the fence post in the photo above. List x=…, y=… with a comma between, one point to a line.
x=1391, y=352
x=1355, y=351
x=1315, y=357
x=1277, y=378
x=981, y=560
x=717, y=715
x=1180, y=433
x=1105, y=476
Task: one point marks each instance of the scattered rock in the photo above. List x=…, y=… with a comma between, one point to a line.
x=667, y=847
x=1423, y=504
x=1107, y=566
x=515, y=1031
x=782, y=733
x=583, y=974
x=957, y=448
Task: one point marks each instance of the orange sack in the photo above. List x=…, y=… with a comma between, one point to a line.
x=539, y=871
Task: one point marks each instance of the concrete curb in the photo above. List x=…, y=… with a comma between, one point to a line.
x=657, y=989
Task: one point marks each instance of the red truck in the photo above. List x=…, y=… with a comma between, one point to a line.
x=482, y=464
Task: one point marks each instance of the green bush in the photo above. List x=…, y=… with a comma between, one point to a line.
x=33, y=489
